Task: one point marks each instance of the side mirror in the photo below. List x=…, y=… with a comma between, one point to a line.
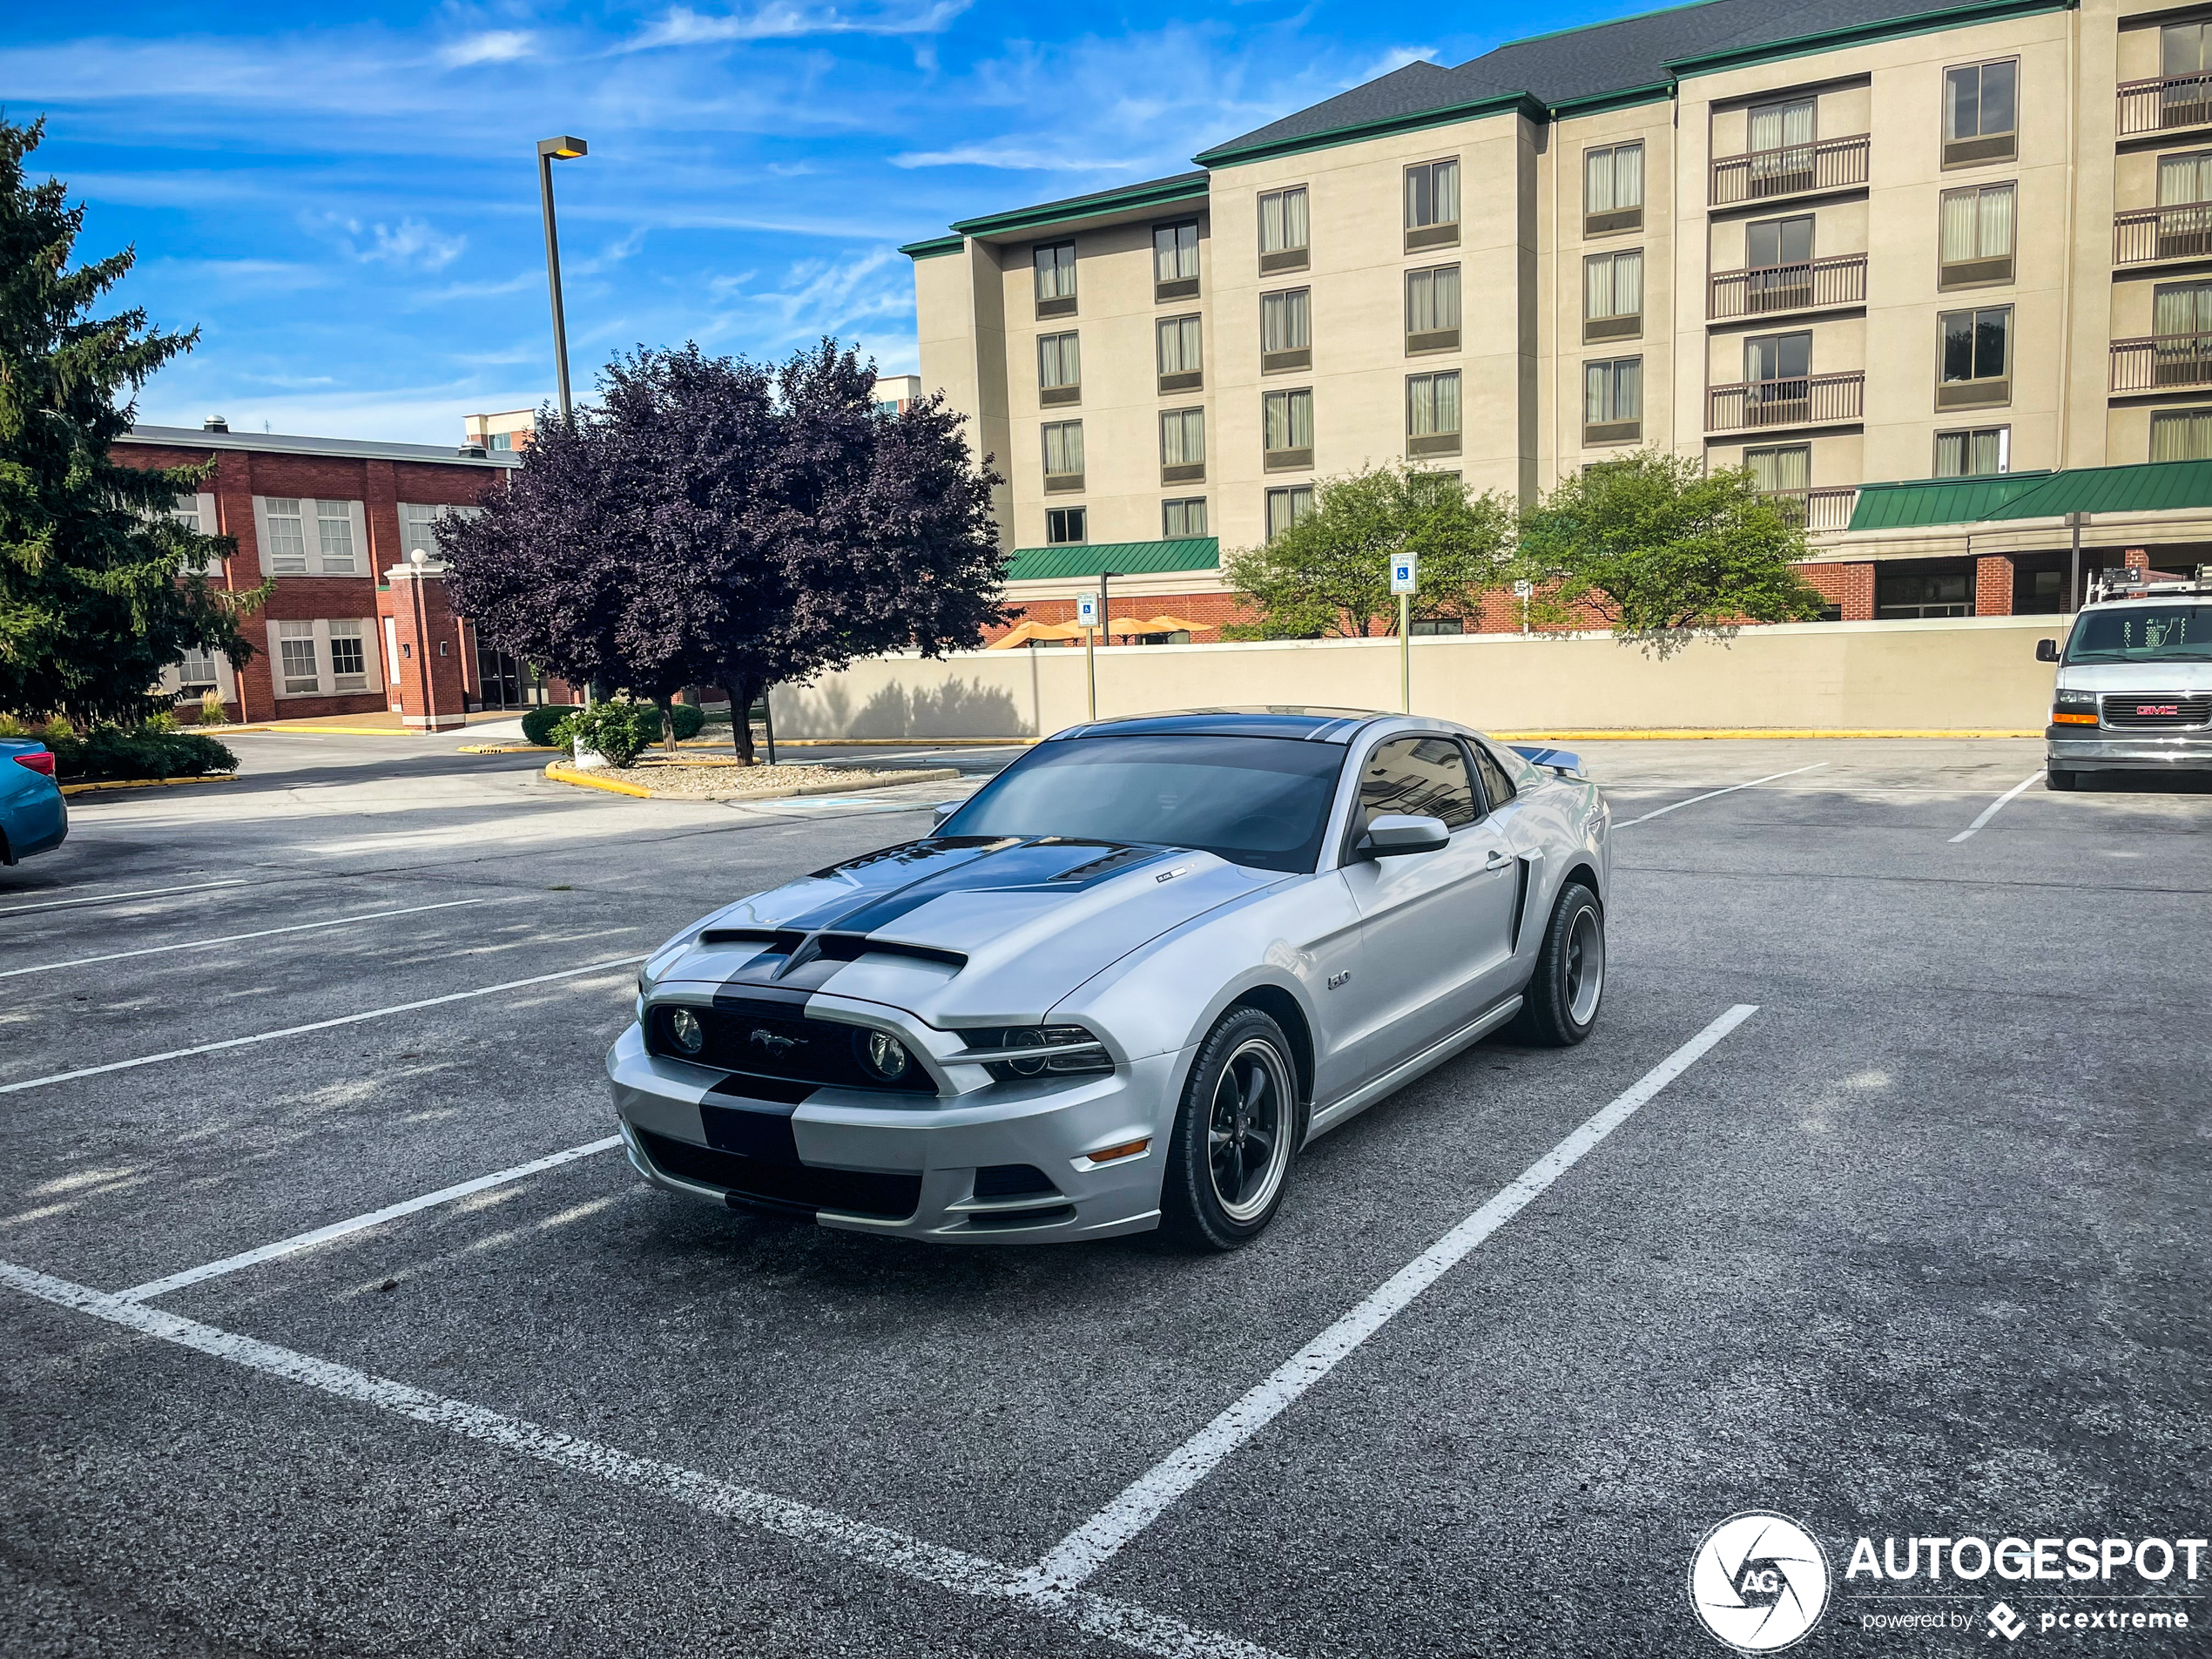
x=1391, y=835
x=2047, y=651
x=943, y=810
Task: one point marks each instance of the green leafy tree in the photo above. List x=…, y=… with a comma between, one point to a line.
x=1661, y=547
x=100, y=588
x=1330, y=572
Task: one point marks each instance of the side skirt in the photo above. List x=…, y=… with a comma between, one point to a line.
x=1405, y=1070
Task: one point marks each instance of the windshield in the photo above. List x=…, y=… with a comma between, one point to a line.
x=1258, y=801
x=2142, y=633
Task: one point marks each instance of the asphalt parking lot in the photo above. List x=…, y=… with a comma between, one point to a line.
x=1916, y=1248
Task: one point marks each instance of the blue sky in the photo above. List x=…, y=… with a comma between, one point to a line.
x=344, y=198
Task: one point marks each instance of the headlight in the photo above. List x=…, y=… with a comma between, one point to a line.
x=884, y=1055
x=2073, y=708
x=685, y=1028
x=1014, y=1052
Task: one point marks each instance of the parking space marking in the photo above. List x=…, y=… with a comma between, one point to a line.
x=232, y=939
x=1711, y=793
x=909, y=1557
x=319, y=1025
x=355, y=1223
x=1994, y=807
x=1082, y=1552
x=116, y=898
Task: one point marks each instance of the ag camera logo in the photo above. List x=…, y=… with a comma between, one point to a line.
x=1759, y=1581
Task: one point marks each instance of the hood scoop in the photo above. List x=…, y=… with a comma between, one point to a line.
x=793, y=949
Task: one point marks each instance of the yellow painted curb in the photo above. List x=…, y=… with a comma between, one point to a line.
x=110, y=785
x=1691, y=733
x=507, y=748
x=561, y=774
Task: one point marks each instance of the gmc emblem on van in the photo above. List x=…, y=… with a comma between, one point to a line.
x=2157, y=708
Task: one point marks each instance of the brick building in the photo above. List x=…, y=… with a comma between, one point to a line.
x=356, y=623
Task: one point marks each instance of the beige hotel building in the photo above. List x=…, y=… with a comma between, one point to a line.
x=1941, y=274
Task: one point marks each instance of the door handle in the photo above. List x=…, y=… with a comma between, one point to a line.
x=1496, y=860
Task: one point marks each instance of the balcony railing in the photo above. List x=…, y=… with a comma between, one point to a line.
x=1807, y=400
x=1819, y=510
x=1831, y=163
x=2165, y=102
x=2182, y=232
x=1761, y=290
x=2158, y=361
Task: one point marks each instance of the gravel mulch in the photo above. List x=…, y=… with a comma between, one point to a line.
x=699, y=778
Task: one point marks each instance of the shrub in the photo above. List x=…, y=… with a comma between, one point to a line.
x=620, y=731
x=538, y=724
x=212, y=711
x=110, y=752
x=689, y=718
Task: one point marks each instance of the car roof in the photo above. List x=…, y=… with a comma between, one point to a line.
x=1310, y=725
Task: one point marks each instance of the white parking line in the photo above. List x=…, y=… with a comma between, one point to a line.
x=232, y=939
x=339, y=1228
x=1080, y=1554
x=1994, y=807
x=902, y=1553
x=1711, y=793
x=319, y=1025
x=116, y=898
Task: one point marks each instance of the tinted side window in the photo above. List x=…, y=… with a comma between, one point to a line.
x=1495, y=783
x=1426, y=776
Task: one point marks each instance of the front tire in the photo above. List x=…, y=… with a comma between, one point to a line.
x=1235, y=1134
x=1560, y=1006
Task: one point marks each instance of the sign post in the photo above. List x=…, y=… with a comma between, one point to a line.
x=1404, y=578
x=1087, y=619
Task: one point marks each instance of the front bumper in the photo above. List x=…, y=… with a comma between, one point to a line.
x=858, y=1157
x=2081, y=748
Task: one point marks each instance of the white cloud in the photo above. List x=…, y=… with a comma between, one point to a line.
x=783, y=20
x=1383, y=62
x=492, y=46
x=1012, y=158
x=412, y=243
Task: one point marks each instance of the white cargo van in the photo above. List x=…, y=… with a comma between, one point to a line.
x=2134, y=686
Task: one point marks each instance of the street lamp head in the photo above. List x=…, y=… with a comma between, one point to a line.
x=564, y=148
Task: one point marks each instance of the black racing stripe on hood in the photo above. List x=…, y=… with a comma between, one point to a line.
x=1046, y=865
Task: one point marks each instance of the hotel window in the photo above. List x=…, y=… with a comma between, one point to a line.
x=1977, y=235
x=1980, y=453
x=1064, y=455
x=1980, y=113
x=335, y=530
x=1432, y=414
x=2184, y=57
x=1285, y=331
x=2182, y=434
x=1612, y=296
x=1183, y=446
x=1613, y=189
x=1060, y=369
x=1431, y=205
x=296, y=656
x=1781, y=148
x=1174, y=261
x=1055, y=263
x=1063, y=525
x=288, y=548
x=1613, y=401
x=1286, y=422
x=1784, y=470
x=1909, y=594
x=1182, y=366
x=1286, y=507
x=1777, y=259
x=1432, y=309
x=1976, y=357
x=1283, y=230
x=1179, y=519
x=349, y=658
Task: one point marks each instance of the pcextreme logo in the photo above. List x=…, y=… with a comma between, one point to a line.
x=1759, y=1581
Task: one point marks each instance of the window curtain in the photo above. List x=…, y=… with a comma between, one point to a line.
x=1627, y=390
x=2184, y=181
x=1059, y=362
x=2182, y=436
x=1057, y=272
x=1433, y=405
x=1286, y=507
x=1179, y=346
x=1290, y=420
x=1063, y=447
x=1994, y=207
x=1595, y=382
x=1597, y=287
x=1597, y=181
x=1627, y=284
x=1285, y=321
x=1182, y=437
x=1628, y=176
x=1781, y=469
x=1432, y=299
x=1282, y=221
x=1447, y=192
x=1779, y=126
x=1988, y=451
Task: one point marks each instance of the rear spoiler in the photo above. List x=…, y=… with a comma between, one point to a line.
x=1564, y=762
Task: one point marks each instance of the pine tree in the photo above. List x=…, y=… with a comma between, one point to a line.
x=100, y=587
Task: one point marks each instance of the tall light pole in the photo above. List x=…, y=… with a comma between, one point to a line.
x=549, y=150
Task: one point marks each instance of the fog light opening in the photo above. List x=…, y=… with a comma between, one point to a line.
x=683, y=1026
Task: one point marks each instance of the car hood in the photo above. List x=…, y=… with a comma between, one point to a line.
x=958, y=930
x=2137, y=676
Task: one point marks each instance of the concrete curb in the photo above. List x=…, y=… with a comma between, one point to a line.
x=109, y=785
x=561, y=774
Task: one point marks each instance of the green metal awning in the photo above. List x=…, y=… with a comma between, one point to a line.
x=1124, y=558
x=2152, y=486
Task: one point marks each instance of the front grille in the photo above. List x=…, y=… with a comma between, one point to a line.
x=783, y=1043
x=2139, y=709
x=791, y=1187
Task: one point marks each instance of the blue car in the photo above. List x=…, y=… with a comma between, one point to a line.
x=33, y=816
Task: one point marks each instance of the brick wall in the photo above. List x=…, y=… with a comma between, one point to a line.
x=1850, y=586
x=1993, y=586
x=1212, y=609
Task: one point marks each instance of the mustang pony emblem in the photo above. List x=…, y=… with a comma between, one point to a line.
x=777, y=1046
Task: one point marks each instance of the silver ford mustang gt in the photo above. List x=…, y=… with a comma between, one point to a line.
x=1122, y=985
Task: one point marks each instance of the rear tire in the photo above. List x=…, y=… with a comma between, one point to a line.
x=1236, y=1135
x=1560, y=1006
x=2053, y=779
